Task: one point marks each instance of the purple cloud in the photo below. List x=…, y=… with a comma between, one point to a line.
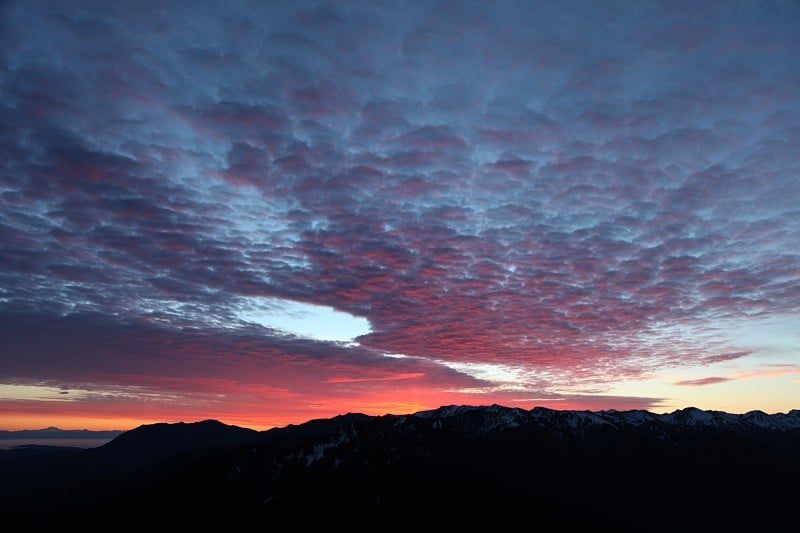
x=702, y=381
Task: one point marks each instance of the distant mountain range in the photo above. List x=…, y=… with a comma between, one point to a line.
x=56, y=433
x=452, y=468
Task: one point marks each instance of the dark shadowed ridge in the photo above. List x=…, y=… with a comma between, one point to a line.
x=453, y=468
x=151, y=443
x=44, y=481
x=294, y=435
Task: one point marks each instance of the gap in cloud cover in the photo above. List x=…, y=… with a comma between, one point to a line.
x=311, y=321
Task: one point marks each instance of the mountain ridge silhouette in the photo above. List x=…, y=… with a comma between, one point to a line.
x=457, y=466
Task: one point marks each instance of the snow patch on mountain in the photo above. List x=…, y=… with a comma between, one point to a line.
x=487, y=419
x=318, y=451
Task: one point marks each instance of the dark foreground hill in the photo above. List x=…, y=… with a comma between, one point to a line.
x=454, y=468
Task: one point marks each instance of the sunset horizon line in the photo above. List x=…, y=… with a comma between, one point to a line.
x=256, y=427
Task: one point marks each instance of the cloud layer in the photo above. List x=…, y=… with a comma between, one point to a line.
x=576, y=195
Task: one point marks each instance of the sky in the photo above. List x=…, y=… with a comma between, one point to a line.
x=268, y=212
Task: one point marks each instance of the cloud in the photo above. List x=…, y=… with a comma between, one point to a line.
x=702, y=381
x=410, y=375
x=562, y=189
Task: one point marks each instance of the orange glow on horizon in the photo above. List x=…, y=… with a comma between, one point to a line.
x=262, y=408
x=75, y=415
